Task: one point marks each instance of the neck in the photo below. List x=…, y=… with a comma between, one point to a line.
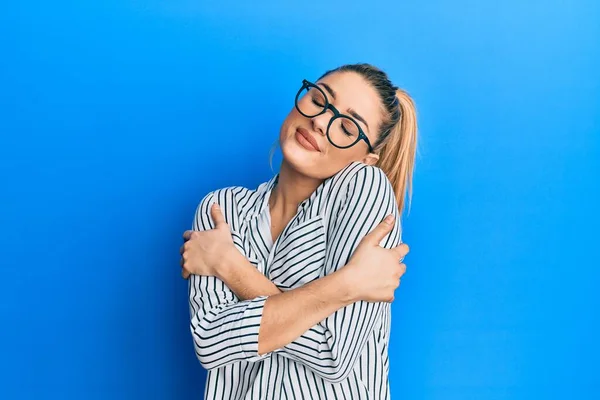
x=292, y=189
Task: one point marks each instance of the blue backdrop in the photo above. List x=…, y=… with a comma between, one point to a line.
x=116, y=117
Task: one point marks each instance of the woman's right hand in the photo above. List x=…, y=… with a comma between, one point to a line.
x=374, y=272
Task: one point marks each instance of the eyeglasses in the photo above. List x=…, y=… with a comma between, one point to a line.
x=342, y=131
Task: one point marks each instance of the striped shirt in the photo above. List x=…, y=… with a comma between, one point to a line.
x=344, y=356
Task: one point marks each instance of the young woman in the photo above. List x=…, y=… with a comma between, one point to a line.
x=290, y=284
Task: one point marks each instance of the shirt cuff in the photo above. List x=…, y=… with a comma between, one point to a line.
x=252, y=318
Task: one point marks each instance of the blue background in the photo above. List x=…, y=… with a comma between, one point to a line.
x=116, y=117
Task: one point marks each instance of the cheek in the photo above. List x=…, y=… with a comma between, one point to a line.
x=290, y=120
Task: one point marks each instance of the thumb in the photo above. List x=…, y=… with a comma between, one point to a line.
x=217, y=215
x=378, y=233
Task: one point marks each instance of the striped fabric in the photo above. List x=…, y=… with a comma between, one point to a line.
x=342, y=357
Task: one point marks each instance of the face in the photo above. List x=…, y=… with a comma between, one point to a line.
x=351, y=95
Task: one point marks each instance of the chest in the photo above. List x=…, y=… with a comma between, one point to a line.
x=290, y=253
x=277, y=225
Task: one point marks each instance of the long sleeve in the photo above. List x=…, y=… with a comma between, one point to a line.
x=224, y=329
x=332, y=347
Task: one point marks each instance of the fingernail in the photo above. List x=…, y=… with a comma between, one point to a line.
x=215, y=205
x=389, y=219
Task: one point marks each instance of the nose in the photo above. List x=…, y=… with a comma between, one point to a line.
x=320, y=122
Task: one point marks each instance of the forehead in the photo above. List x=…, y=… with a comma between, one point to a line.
x=353, y=91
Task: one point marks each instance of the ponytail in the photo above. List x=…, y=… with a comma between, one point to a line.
x=397, y=154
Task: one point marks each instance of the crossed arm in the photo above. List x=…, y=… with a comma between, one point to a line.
x=325, y=327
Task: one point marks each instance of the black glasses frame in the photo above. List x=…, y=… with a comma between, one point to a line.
x=336, y=114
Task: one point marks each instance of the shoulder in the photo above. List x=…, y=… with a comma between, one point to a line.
x=358, y=190
x=359, y=180
x=369, y=174
x=228, y=196
x=234, y=201
x=363, y=201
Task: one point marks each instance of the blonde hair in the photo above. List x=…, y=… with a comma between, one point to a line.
x=397, y=140
x=398, y=150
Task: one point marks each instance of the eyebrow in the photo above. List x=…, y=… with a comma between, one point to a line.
x=329, y=89
x=358, y=117
x=350, y=110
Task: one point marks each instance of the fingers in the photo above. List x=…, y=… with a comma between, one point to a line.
x=217, y=215
x=378, y=233
x=185, y=274
x=399, y=270
x=402, y=270
x=187, y=235
x=400, y=251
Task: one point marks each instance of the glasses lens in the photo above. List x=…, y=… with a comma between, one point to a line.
x=311, y=101
x=343, y=132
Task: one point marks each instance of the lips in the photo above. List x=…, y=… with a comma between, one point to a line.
x=309, y=138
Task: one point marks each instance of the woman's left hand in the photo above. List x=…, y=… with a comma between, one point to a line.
x=203, y=251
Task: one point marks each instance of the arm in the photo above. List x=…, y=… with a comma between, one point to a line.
x=225, y=329
x=228, y=331
x=242, y=277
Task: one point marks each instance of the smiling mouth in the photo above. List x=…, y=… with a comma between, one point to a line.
x=306, y=140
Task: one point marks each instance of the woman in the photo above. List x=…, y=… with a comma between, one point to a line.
x=290, y=284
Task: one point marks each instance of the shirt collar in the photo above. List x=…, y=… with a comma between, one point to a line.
x=264, y=190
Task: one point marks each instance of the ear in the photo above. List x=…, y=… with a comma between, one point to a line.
x=371, y=159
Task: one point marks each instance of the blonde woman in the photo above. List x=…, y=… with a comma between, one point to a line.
x=290, y=284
